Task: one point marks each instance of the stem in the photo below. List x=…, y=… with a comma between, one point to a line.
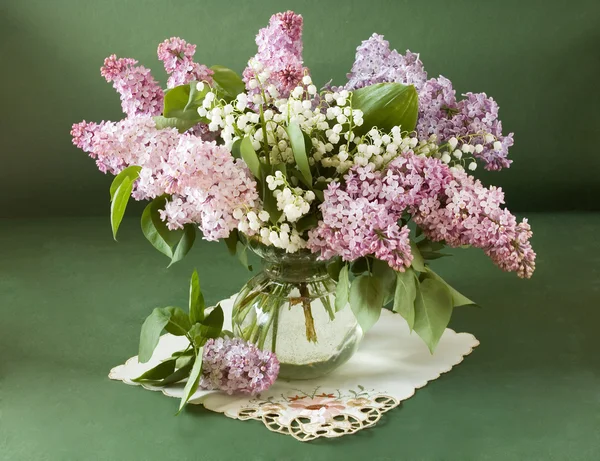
x=311, y=334
x=275, y=328
x=326, y=302
x=265, y=139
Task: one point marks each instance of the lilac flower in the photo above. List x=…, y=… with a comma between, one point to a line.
x=279, y=56
x=467, y=213
x=361, y=218
x=83, y=134
x=178, y=58
x=439, y=111
x=132, y=141
x=207, y=185
x=376, y=63
x=357, y=222
x=476, y=115
x=233, y=365
x=140, y=93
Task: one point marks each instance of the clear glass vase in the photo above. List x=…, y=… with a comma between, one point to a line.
x=289, y=308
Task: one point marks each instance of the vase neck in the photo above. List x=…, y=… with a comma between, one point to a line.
x=295, y=271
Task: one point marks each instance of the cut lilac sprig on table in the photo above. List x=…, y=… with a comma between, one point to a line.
x=233, y=365
x=213, y=359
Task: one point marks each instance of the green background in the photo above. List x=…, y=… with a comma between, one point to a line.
x=539, y=59
x=72, y=301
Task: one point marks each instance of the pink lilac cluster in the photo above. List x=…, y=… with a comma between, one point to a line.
x=140, y=93
x=178, y=58
x=467, y=213
x=447, y=204
x=279, y=53
x=439, y=111
x=477, y=114
x=357, y=222
x=376, y=63
x=131, y=141
x=235, y=366
x=207, y=185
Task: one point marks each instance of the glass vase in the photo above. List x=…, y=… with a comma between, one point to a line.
x=289, y=308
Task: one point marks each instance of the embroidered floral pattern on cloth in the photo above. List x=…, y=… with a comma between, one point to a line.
x=390, y=365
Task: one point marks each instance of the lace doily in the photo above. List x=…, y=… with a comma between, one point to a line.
x=389, y=366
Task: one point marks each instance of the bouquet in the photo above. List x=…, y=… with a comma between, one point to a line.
x=376, y=175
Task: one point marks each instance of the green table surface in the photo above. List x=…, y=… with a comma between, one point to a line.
x=72, y=302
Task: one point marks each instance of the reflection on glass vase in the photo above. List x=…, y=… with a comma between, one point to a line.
x=289, y=308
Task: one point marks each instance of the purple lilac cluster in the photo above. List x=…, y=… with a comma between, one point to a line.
x=446, y=203
x=376, y=63
x=235, y=366
x=279, y=55
x=206, y=183
x=140, y=93
x=178, y=58
x=440, y=113
x=470, y=119
x=357, y=221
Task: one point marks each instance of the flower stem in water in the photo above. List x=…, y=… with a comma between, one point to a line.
x=311, y=334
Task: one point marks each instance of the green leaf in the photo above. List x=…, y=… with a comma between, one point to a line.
x=406, y=292
x=242, y=255
x=387, y=276
x=180, y=124
x=183, y=101
x=192, y=383
x=334, y=268
x=196, y=305
x=235, y=148
x=428, y=245
x=228, y=81
x=155, y=229
x=270, y=204
x=307, y=222
x=226, y=334
x=458, y=299
x=178, y=375
x=418, y=263
x=249, y=156
x=297, y=142
x=151, y=330
x=118, y=204
x=196, y=336
x=132, y=172
x=212, y=325
x=185, y=244
x=179, y=322
x=231, y=242
x=433, y=309
x=342, y=290
x=160, y=371
x=366, y=300
x=359, y=266
x=174, y=244
x=386, y=105
x=184, y=359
